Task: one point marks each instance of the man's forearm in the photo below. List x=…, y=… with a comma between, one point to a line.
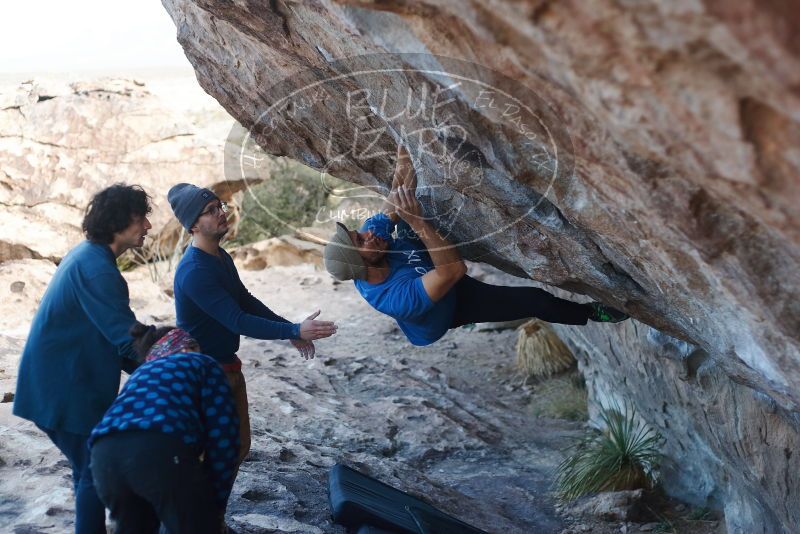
x=444, y=254
x=253, y=306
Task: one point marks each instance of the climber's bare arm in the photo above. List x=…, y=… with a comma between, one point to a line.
x=403, y=175
x=449, y=268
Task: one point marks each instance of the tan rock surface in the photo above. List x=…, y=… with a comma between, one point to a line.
x=22, y=284
x=679, y=203
x=61, y=142
x=278, y=251
x=670, y=213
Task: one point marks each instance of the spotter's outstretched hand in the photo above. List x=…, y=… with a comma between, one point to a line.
x=310, y=329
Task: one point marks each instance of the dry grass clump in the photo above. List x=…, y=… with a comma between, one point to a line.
x=561, y=397
x=540, y=352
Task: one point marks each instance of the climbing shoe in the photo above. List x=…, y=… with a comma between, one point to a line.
x=605, y=314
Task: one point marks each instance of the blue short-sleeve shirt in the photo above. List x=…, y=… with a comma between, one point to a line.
x=402, y=295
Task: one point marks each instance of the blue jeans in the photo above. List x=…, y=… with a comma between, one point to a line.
x=90, y=514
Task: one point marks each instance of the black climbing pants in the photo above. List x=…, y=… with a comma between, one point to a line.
x=147, y=478
x=477, y=302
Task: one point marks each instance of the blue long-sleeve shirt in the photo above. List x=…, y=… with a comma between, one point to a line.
x=185, y=395
x=402, y=295
x=70, y=368
x=212, y=304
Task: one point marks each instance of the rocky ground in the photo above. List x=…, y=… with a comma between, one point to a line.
x=452, y=422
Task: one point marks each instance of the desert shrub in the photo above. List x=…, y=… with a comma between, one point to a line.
x=624, y=456
x=700, y=514
x=291, y=197
x=560, y=397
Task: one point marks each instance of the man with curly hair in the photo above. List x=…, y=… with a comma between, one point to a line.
x=70, y=369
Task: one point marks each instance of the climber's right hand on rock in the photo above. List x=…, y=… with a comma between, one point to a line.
x=408, y=207
x=404, y=173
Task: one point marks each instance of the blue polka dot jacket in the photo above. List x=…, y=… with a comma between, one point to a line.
x=185, y=395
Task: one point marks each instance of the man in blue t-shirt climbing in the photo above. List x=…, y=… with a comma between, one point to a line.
x=403, y=268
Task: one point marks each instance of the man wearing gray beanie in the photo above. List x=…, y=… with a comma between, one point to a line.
x=405, y=269
x=212, y=304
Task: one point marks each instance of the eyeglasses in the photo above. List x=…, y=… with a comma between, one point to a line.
x=215, y=209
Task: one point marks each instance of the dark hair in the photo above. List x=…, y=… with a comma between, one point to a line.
x=144, y=336
x=112, y=210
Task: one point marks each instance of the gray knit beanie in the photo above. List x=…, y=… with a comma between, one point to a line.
x=187, y=201
x=341, y=257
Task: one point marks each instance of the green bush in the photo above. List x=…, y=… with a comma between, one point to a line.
x=289, y=198
x=294, y=196
x=624, y=456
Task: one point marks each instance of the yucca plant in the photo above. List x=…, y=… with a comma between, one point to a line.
x=624, y=456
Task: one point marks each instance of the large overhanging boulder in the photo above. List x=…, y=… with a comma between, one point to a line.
x=654, y=165
x=681, y=203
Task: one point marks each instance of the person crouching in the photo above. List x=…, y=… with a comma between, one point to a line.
x=145, y=452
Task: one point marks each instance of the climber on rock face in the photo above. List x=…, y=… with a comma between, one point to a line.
x=419, y=279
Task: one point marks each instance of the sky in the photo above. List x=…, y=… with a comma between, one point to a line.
x=56, y=36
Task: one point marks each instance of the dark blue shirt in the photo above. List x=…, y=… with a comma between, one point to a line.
x=70, y=368
x=212, y=304
x=402, y=295
x=188, y=396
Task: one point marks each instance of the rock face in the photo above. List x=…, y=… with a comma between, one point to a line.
x=616, y=505
x=61, y=143
x=277, y=251
x=727, y=446
x=22, y=284
x=657, y=172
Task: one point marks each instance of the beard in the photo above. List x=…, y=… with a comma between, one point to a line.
x=219, y=234
x=375, y=260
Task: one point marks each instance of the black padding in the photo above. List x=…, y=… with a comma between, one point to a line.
x=357, y=499
x=369, y=529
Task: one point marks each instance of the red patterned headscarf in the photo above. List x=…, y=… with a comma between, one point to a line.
x=176, y=340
